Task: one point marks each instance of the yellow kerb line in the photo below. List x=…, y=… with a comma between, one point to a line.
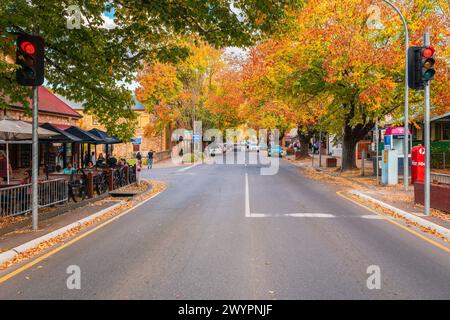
x=440, y=246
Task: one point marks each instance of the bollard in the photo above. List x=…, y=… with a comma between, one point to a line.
x=138, y=175
x=126, y=171
x=90, y=190
x=111, y=179
x=363, y=165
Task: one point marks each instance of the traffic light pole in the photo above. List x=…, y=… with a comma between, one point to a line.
x=35, y=160
x=406, y=111
x=426, y=42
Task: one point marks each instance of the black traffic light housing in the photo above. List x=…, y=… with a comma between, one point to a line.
x=420, y=66
x=30, y=58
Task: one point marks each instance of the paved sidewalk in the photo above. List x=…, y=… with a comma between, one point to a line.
x=22, y=234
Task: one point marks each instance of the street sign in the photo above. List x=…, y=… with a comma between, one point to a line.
x=136, y=141
x=196, y=137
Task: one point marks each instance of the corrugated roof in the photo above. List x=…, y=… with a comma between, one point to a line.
x=48, y=102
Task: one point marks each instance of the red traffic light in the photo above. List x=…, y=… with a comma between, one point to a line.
x=428, y=52
x=28, y=48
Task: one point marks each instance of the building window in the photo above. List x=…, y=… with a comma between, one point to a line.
x=437, y=132
x=95, y=121
x=446, y=131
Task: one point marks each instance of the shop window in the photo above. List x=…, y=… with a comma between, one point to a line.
x=437, y=132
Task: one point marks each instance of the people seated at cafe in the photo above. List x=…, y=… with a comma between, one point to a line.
x=111, y=161
x=4, y=167
x=26, y=179
x=69, y=169
x=58, y=169
x=90, y=165
x=100, y=160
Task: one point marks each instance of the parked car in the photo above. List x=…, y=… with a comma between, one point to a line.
x=215, y=150
x=253, y=147
x=276, y=151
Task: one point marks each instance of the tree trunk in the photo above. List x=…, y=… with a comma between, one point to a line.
x=348, y=150
x=304, y=143
x=352, y=135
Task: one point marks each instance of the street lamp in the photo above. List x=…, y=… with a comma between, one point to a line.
x=406, y=115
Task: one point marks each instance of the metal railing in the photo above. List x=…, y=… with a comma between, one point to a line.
x=16, y=200
x=440, y=160
x=440, y=178
x=52, y=192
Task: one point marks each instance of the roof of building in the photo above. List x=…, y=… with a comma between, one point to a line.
x=51, y=103
x=137, y=106
x=447, y=114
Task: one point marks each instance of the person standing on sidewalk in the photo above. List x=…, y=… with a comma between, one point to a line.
x=150, y=159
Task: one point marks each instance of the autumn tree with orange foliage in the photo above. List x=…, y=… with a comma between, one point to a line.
x=328, y=51
x=175, y=94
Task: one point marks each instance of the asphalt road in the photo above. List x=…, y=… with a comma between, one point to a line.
x=227, y=232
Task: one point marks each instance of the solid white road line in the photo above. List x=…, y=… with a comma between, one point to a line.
x=247, y=198
x=249, y=214
x=187, y=168
x=292, y=215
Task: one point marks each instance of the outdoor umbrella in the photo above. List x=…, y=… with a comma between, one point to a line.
x=14, y=130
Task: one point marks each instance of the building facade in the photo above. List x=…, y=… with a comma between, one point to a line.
x=141, y=142
x=51, y=110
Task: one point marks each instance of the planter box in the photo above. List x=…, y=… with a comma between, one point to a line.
x=331, y=163
x=439, y=196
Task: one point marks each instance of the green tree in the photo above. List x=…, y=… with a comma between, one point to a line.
x=91, y=64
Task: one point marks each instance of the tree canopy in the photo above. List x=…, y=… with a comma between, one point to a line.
x=93, y=64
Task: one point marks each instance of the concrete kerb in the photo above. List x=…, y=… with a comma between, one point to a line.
x=422, y=222
x=11, y=253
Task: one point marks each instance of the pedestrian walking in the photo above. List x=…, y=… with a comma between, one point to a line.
x=139, y=159
x=150, y=159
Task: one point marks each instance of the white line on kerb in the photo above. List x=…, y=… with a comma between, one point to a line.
x=187, y=168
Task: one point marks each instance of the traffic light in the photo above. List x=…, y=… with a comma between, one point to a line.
x=30, y=58
x=428, y=61
x=420, y=66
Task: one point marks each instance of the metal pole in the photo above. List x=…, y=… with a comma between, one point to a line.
x=320, y=147
x=7, y=162
x=406, y=112
x=35, y=160
x=377, y=152
x=426, y=42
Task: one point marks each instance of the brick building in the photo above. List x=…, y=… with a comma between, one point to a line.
x=51, y=110
x=160, y=143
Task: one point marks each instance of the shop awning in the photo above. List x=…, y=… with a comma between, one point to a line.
x=104, y=136
x=62, y=135
x=85, y=136
x=11, y=129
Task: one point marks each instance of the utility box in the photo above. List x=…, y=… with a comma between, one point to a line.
x=418, y=164
x=389, y=167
